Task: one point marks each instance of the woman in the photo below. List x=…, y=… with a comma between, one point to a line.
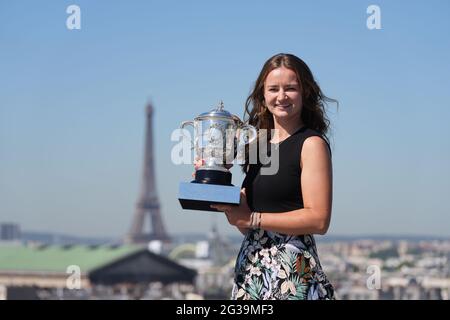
x=279, y=213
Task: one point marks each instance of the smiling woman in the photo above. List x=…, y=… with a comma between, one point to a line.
x=282, y=95
x=279, y=213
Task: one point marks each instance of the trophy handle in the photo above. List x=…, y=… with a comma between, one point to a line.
x=184, y=124
x=252, y=133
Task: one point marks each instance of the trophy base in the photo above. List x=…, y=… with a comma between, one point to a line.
x=213, y=177
x=199, y=196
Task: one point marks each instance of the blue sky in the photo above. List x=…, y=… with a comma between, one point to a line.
x=72, y=105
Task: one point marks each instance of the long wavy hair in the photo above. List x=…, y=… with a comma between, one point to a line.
x=314, y=101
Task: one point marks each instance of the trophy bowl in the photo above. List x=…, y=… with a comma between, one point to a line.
x=217, y=134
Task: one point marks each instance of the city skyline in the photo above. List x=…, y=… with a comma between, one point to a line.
x=72, y=110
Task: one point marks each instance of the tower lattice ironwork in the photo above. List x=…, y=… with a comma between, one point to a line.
x=148, y=203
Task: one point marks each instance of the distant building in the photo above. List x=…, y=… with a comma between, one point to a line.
x=83, y=272
x=214, y=261
x=357, y=292
x=414, y=289
x=9, y=232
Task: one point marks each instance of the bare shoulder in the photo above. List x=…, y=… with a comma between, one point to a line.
x=314, y=145
x=315, y=149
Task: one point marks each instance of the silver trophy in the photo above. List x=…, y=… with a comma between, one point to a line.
x=217, y=136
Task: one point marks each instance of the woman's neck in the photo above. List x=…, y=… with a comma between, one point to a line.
x=284, y=130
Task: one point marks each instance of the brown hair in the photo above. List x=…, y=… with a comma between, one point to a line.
x=314, y=101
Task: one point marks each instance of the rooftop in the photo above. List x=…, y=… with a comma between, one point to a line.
x=58, y=258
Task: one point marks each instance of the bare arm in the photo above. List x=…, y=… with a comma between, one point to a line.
x=316, y=183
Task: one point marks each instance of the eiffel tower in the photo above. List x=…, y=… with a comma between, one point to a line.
x=148, y=203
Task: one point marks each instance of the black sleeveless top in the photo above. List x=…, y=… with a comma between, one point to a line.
x=279, y=192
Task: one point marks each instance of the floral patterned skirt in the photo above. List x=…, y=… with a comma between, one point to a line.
x=272, y=266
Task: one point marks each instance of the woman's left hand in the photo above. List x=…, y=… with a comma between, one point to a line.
x=237, y=216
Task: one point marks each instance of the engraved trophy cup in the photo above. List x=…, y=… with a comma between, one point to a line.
x=217, y=134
